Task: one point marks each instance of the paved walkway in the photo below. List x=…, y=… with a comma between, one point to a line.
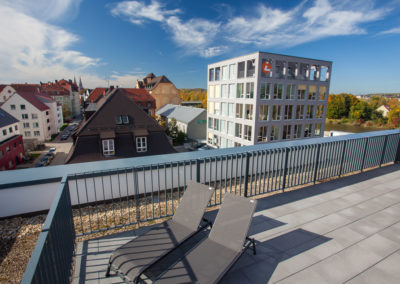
x=346, y=230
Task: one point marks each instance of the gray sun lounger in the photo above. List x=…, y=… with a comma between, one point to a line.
x=211, y=259
x=132, y=259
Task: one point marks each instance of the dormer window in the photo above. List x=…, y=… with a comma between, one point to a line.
x=125, y=119
x=141, y=144
x=122, y=119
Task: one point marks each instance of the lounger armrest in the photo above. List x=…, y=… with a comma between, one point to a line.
x=208, y=223
x=250, y=242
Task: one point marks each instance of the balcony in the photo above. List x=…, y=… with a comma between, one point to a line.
x=319, y=227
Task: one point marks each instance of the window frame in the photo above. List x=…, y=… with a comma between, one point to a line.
x=110, y=150
x=141, y=144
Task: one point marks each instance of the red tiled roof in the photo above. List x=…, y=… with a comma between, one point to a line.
x=96, y=93
x=54, y=90
x=138, y=94
x=2, y=87
x=31, y=97
x=33, y=88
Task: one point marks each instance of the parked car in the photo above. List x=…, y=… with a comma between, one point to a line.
x=64, y=137
x=40, y=164
x=50, y=155
x=52, y=150
x=46, y=160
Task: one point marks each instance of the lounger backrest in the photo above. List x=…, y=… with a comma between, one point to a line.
x=233, y=221
x=192, y=205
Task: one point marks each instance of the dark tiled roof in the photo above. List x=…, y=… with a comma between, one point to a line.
x=6, y=118
x=155, y=81
x=34, y=100
x=88, y=144
x=33, y=88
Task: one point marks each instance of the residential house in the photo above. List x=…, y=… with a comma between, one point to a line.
x=384, y=109
x=67, y=94
x=38, y=114
x=190, y=120
x=161, y=89
x=118, y=129
x=11, y=143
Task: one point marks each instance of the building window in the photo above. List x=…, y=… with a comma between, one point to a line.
x=211, y=74
x=317, y=129
x=312, y=92
x=277, y=91
x=321, y=92
x=297, y=131
x=217, y=73
x=231, y=112
x=239, y=110
x=118, y=119
x=34, y=115
x=300, y=112
x=288, y=112
x=125, y=119
x=24, y=116
x=12, y=107
x=215, y=140
x=324, y=76
x=287, y=129
x=47, y=112
x=231, y=71
x=276, y=112
x=35, y=125
x=10, y=129
x=251, y=68
x=290, y=92
x=307, y=130
x=27, y=134
x=263, y=113
x=291, y=71
x=25, y=124
x=212, y=91
x=303, y=72
x=310, y=112
x=108, y=147
x=216, y=124
x=210, y=107
x=22, y=107
x=249, y=90
x=36, y=133
x=224, y=91
x=224, y=109
x=231, y=91
x=249, y=111
x=1, y=153
x=48, y=120
x=217, y=91
x=225, y=72
x=279, y=69
x=262, y=134
x=238, y=130
x=231, y=128
x=16, y=127
x=223, y=126
x=237, y=144
x=265, y=90
x=141, y=144
x=4, y=132
x=274, y=135
x=319, y=111
x=301, y=92
x=48, y=128
x=314, y=70
x=240, y=70
x=240, y=90
x=217, y=108
x=247, y=132
x=266, y=64
x=210, y=122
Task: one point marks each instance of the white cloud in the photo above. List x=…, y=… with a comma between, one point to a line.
x=138, y=12
x=275, y=27
x=391, y=31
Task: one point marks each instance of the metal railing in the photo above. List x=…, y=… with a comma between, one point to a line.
x=51, y=260
x=104, y=200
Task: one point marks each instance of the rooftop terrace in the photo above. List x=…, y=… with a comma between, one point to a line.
x=345, y=230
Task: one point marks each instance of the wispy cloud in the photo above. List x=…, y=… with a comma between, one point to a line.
x=303, y=23
x=391, y=31
x=138, y=12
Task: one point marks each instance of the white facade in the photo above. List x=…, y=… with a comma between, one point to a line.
x=8, y=131
x=33, y=123
x=6, y=93
x=247, y=106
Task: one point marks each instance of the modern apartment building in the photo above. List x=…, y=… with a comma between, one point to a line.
x=264, y=97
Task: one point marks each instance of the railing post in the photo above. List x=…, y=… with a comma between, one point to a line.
x=316, y=163
x=342, y=159
x=397, y=159
x=383, y=151
x=136, y=184
x=246, y=174
x=365, y=151
x=198, y=170
x=285, y=169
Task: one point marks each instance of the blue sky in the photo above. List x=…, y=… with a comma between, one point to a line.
x=116, y=42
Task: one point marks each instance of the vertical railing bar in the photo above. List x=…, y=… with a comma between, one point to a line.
x=88, y=207
x=285, y=169
x=104, y=199
x=112, y=200
x=316, y=163
x=165, y=189
x=246, y=177
x=343, y=156
x=236, y=176
x=261, y=171
x=152, y=191
x=79, y=203
x=231, y=176
x=265, y=169
x=172, y=188
x=159, y=190
x=220, y=180
x=179, y=183
x=226, y=172
x=120, y=197
x=127, y=196
x=95, y=202
x=146, y=215
x=365, y=151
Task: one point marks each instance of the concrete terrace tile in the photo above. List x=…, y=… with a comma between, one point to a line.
x=326, y=224
x=379, y=245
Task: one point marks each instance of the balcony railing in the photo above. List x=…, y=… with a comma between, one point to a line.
x=101, y=200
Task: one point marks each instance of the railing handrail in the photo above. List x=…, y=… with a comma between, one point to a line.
x=25, y=177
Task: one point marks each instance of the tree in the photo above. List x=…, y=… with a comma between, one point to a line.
x=172, y=129
x=394, y=117
x=66, y=112
x=361, y=111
